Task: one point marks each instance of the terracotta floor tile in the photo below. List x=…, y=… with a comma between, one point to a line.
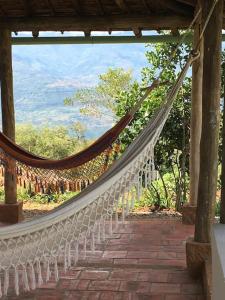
x=143, y=260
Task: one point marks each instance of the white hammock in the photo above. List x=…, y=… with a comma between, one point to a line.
x=37, y=246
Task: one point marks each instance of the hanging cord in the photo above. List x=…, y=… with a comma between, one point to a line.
x=206, y=24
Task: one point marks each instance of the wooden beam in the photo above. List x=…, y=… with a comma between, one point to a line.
x=146, y=6
x=77, y=7
x=100, y=7
x=137, y=32
x=210, y=121
x=196, y=117
x=177, y=7
x=222, y=208
x=122, y=5
x=28, y=8
x=51, y=7
x=93, y=23
x=7, y=102
x=188, y=2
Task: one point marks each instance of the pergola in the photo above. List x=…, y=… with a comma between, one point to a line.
x=136, y=16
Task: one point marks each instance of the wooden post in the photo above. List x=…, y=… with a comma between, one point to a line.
x=8, y=214
x=199, y=249
x=189, y=210
x=210, y=121
x=222, y=210
x=196, y=118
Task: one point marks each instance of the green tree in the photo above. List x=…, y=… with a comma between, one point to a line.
x=55, y=143
x=102, y=97
x=171, y=152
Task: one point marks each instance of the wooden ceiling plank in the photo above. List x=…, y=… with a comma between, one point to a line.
x=146, y=6
x=100, y=7
x=94, y=23
x=188, y=2
x=28, y=8
x=51, y=7
x=77, y=7
x=122, y=5
x=177, y=7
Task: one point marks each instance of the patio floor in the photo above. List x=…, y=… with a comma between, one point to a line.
x=144, y=259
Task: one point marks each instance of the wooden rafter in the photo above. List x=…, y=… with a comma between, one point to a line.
x=2, y=10
x=94, y=23
x=77, y=7
x=100, y=7
x=177, y=7
x=51, y=7
x=137, y=32
x=188, y=2
x=122, y=5
x=28, y=8
x=146, y=6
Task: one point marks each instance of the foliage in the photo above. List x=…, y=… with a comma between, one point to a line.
x=23, y=195
x=55, y=143
x=171, y=152
x=102, y=97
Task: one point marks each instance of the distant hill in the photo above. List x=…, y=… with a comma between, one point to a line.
x=45, y=75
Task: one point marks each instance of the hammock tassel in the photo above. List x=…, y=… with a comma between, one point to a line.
x=6, y=282
x=56, y=271
x=0, y=287
x=25, y=280
x=76, y=255
x=92, y=242
x=103, y=229
x=99, y=232
x=85, y=247
x=65, y=259
x=40, y=280
x=16, y=281
x=48, y=271
x=69, y=256
x=111, y=225
x=32, y=277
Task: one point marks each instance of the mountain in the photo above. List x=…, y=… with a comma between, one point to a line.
x=45, y=75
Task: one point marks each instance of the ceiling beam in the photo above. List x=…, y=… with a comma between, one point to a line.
x=188, y=2
x=51, y=7
x=122, y=5
x=64, y=40
x=28, y=8
x=146, y=6
x=100, y=7
x=77, y=7
x=178, y=7
x=93, y=23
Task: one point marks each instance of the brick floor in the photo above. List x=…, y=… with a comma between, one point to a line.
x=144, y=259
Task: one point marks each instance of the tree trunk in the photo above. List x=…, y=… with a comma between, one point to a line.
x=8, y=118
x=210, y=121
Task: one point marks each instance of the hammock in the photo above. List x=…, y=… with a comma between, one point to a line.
x=30, y=249
x=72, y=173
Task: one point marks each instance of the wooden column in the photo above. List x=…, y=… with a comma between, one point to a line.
x=189, y=209
x=222, y=210
x=8, y=213
x=210, y=121
x=196, y=118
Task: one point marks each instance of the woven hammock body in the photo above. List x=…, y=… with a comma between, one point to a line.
x=36, y=247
